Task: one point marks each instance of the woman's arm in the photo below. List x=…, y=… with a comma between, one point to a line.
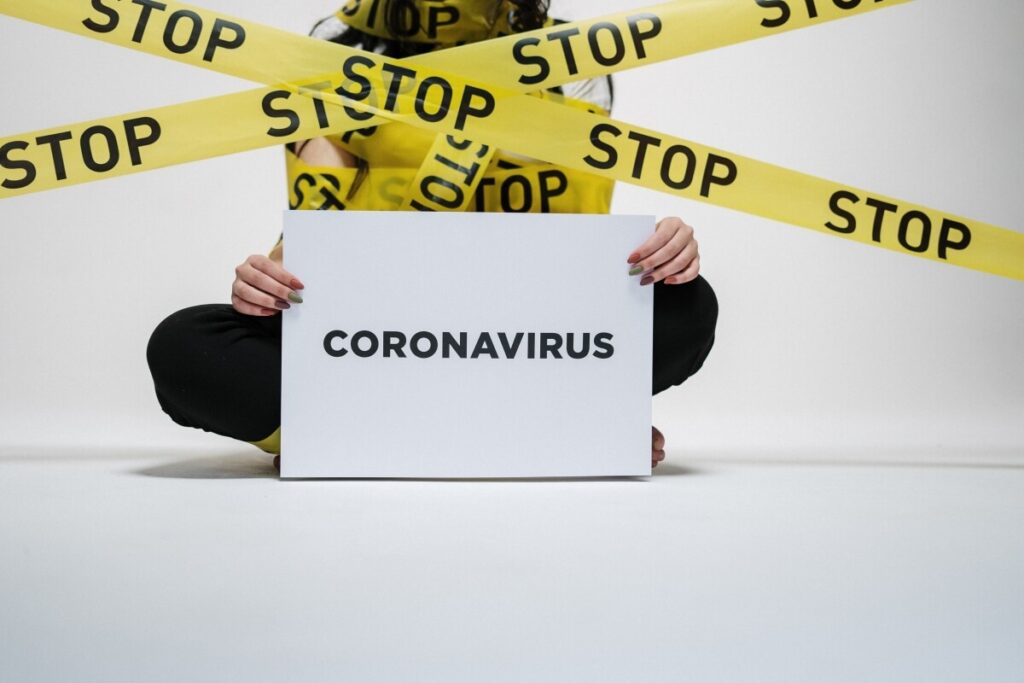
x=262, y=287
x=323, y=152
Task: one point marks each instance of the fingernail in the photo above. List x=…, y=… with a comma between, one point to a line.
x=297, y=285
x=292, y=296
x=283, y=305
x=633, y=258
x=636, y=270
x=647, y=280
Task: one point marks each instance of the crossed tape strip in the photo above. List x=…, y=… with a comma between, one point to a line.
x=536, y=188
x=321, y=88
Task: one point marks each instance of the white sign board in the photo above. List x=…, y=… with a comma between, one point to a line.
x=465, y=345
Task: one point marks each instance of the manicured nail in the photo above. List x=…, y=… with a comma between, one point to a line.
x=636, y=270
x=295, y=298
x=283, y=305
x=633, y=258
x=297, y=285
x=647, y=280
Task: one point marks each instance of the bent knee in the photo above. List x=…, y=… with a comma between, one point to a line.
x=706, y=302
x=173, y=335
x=693, y=303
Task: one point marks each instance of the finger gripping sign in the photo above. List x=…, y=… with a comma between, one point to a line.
x=316, y=88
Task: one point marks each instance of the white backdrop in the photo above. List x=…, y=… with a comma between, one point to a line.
x=825, y=348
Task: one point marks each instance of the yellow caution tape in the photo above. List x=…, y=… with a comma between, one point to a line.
x=322, y=88
x=450, y=22
x=549, y=57
x=546, y=58
x=453, y=169
x=537, y=188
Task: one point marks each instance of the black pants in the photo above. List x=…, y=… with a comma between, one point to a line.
x=218, y=370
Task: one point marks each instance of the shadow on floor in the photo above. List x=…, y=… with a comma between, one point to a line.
x=660, y=472
x=181, y=463
x=232, y=464
x=227, y=466
x=256, y=466
x=70, y=454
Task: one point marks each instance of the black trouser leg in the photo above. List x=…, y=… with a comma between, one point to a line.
x=684, y=330
x=218, y=370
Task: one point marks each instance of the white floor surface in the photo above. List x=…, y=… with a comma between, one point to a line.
x=146, y=565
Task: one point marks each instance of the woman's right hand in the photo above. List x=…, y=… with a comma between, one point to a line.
x=263, y=288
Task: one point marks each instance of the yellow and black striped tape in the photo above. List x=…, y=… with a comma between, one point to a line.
x=475, y=92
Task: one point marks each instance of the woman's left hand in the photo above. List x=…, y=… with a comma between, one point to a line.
x=670, y=254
